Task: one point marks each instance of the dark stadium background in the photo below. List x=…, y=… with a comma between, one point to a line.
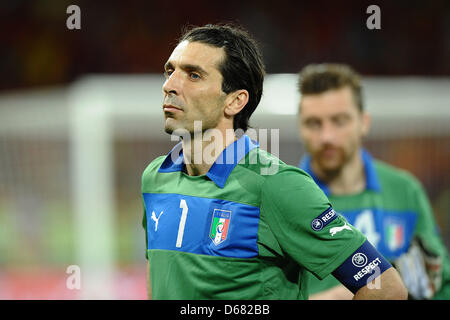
x=136, y=37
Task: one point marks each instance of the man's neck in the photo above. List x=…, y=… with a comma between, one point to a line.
x=350, y=179
x=202, y=150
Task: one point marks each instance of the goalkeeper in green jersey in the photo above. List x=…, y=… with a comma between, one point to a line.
x=387, y=204
x=225, y=219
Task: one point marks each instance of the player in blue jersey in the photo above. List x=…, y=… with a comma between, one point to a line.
x=387, y=204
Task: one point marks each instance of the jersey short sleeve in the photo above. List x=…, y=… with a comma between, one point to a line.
x=427, y=231
x=426, y=225
x=307, y=228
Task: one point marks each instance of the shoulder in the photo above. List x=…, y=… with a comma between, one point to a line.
x=393, y=177
x=153, y=167
x=273, y=172
x=285, y=184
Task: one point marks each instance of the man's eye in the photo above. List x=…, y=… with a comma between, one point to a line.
x=341, y=121
x=194, y=76
x=312, y=124
x=167, y=73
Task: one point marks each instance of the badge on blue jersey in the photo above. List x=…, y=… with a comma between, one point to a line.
x=200, y=225
x=323, y=219
x=389, y=231
x=394, y=231
x=219, y=226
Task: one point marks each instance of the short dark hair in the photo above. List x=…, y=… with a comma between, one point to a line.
x=242, y=68
x=318, y=78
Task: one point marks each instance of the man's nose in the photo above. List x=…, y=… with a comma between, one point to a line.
x=327, y=134
x=172, y=84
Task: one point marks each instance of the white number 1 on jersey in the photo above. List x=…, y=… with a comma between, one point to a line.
x=183, y=205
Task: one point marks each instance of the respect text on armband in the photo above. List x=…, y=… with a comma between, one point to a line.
x=367, y=269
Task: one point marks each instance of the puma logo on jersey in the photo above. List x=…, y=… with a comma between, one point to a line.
x=335, y=230
x=156, y=219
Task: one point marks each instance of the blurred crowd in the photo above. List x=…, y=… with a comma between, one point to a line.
x=136, y=37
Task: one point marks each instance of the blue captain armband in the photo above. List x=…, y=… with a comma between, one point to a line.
x=363, y=266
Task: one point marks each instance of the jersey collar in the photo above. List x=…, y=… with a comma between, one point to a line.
x=221, y=168
x=372, y=182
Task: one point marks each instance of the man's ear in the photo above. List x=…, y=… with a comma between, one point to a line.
x=366, y=121
x=235, y=102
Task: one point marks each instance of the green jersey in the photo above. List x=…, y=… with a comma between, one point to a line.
x=391, y=211
x=248, y=229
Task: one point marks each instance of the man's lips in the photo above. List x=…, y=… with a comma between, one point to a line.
x=328, y=153
x=171, y=108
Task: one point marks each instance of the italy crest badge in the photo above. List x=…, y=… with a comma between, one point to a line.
x=219, y=226
x=394, y=235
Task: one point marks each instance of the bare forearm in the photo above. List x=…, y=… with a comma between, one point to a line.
x=337, y=293
x=390, y=288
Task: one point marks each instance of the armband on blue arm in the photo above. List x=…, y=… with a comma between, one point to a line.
x=359, y=269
